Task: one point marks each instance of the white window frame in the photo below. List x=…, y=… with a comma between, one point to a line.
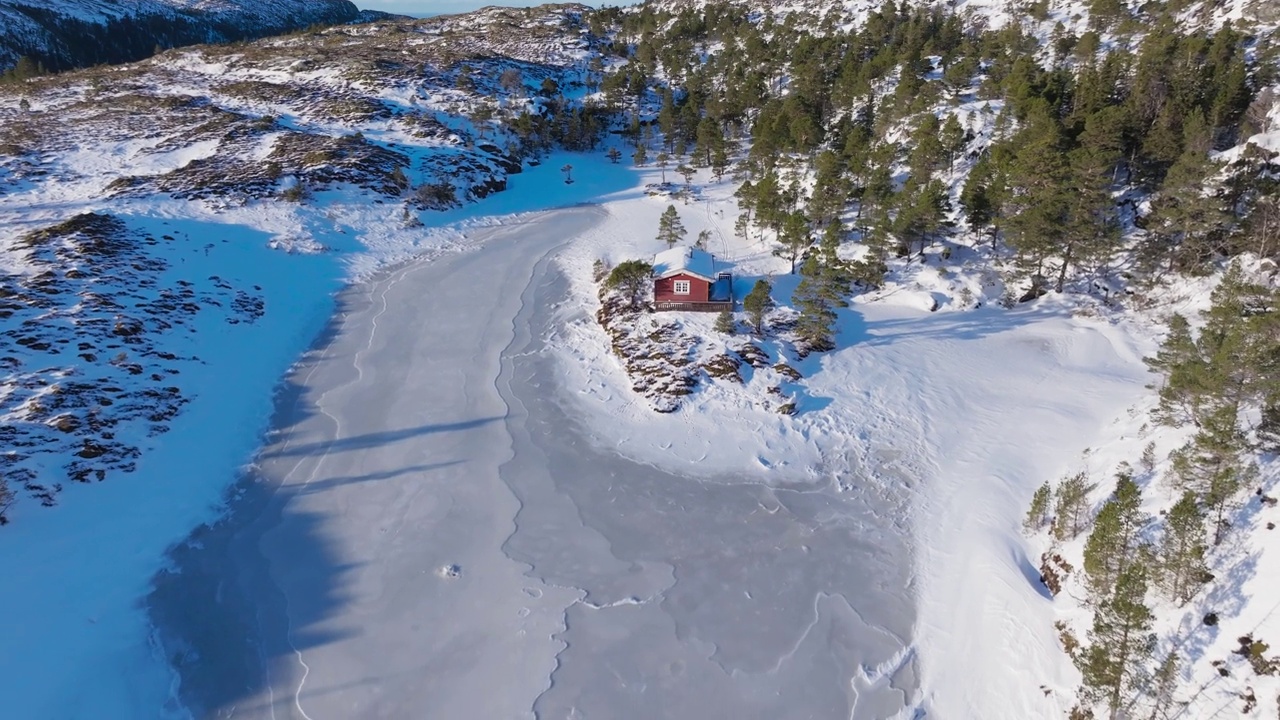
x=682, y=287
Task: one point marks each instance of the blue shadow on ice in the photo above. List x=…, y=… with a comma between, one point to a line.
x=219, y=613
x=380, y=439
x=542, y=187
x=220, y=617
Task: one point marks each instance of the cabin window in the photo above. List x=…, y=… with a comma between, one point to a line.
x=682, y=287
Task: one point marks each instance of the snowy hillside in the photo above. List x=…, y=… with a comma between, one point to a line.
x=968, y=241
x=300, y=137
x=74, y=33
x=994, y=13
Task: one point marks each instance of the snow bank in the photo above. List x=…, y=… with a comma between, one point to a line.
x=959, y=413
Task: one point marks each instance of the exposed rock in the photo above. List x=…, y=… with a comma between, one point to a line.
x=84, y=32
x=724, y=367
x=656, y=354
x=97, y=288
x=1054, y=571
x=753, y=355
x=788, y=372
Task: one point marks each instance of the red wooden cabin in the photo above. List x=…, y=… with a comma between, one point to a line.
x=686, y=279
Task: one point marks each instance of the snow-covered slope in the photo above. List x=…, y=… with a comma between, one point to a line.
x=70, y=33
x=1073, y=14
x=174, y=231
x=145, y=204
x=290, y=135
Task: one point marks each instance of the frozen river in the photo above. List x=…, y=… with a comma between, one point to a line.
x=430, y=533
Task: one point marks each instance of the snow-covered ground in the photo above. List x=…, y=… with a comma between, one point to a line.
x=936, y=425
x=954, y=415
x=438, y=525
x=863, y=553
x=463, y=506
x=76, y=573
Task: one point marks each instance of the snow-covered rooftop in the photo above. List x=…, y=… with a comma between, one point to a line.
x=687, y=260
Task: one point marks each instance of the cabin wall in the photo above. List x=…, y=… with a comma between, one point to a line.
x=664, y=289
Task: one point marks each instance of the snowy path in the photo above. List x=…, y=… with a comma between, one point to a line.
x=586, y=585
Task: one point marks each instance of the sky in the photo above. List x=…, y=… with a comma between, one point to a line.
x=436, y=7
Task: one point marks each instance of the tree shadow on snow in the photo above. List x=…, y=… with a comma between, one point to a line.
x=226, y=628
x=374, y=440
x=317, y=486
x=244, y=596
x=1030, y=572
x=972, y=324
x=1236, y=563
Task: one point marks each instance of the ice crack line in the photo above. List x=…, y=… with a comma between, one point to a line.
x=632, y=600
x=337, y=432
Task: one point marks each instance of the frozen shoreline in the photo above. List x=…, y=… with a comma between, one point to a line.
x=562, y=589
x=705, y=595
x=952, y=418
x=369, y=471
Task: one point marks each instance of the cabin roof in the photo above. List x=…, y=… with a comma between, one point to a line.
x=686, y=261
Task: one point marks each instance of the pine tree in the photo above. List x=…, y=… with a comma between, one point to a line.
x=1209, y=465
x=719, y=160
x=667, y=117
x=742, y=226
x=816, y=297
x=632, y=278
x=1268, y=429
x=1114, y=544
x=758, y=302
x=830, y=188
x=922, y=216
x=1093, y=223
x=640, y=156
x=927, y=153
x=1149, y=457
x=1238, y=340
x=1039, y=204
x=1187, y=214
x=614, y=155
x=709, y=137
x=1230, y=102
x=953, y=138
x=1186, y=385
x=1165, y=683
x=829, y=244
x=1121, y=642
x=878, y=192
x=725, y=323
x=1038, y=514
x=670, y=229
x=1182, y=549
x=1072, y=505
x=794, y=238
x=978, y=198
x=1262, y=223
x=1222, y=498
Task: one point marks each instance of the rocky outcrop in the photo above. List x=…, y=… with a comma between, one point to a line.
x=81, y=349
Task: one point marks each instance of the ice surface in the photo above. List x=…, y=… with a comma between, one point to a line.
x=723, y=597
x=586, y=583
